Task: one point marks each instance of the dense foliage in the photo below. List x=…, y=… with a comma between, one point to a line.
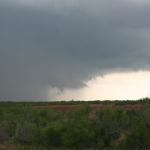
x=23, y=126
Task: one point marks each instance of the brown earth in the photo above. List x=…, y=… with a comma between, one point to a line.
x=68, y=108
x=94, y=107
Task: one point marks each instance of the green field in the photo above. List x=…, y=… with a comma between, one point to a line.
x=118, y=125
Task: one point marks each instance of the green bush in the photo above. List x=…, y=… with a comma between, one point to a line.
x=110, y=128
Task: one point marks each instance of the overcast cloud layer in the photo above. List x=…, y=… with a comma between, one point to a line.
x=64, y=43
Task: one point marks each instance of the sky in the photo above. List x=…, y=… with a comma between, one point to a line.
x=74, y=49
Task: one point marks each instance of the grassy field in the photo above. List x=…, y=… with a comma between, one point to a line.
x=96, y=125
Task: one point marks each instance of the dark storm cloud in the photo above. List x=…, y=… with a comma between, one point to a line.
x=43, y=46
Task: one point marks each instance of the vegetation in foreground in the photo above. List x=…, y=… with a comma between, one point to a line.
x=25, y=127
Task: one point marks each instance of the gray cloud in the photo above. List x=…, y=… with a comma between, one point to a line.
x=43, y=46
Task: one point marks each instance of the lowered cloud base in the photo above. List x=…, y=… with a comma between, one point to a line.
x=114, y=86
x=64, y=44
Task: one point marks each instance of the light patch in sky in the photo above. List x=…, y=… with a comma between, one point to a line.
x=133, y=85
